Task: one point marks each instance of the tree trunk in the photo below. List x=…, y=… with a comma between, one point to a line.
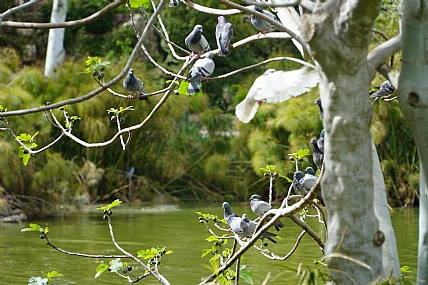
x=413, y=98
x=339, y=38
x=55, y=53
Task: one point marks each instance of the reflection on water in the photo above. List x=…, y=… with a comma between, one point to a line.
x=177, y=228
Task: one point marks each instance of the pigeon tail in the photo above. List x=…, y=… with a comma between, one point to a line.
x=194, y=87
x=246, y=110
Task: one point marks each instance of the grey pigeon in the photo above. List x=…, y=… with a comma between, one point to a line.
x=260, y=207
x=232, y=219
x=173, y=3
x=303, y=183
x=320, y=141
x=248, y=227
x=134, y=86
x=200, y=70
x=385, y=90
x=196, y=42
x=318, y=102
x=317, y=155
x=261, y=25
x=223, y=35
x=309, y=170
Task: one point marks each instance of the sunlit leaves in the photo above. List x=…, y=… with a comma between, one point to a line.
x=44, y=280
x=300, y=154
x=95, y=64
x=270, y=170
x=28, y=141
x=208, y=216
x=119, y=112
x=36, y=227
x=100, y=269
x=153, y=252
x=139, y=3
x=246, y=275
x=110, y=206
x=116, y=265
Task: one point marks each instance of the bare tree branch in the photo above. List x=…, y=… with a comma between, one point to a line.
x=77, y=23
x=16, y=9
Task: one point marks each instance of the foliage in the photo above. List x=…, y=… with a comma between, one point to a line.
x=29, y=144
x=44, y=280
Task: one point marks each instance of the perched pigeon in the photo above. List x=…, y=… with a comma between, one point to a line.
x=317, y=155
x=223, y=35
x=320, y=141
x=261, y=25
x=275, y=86
x=303, y=183
x=232, y=219
x=309, y=170
x=385, y=90
x=173, y=3
x=260, y=207
x=200, y=70
x=248, y=227
x=196, y=42
x=318, y=102
x=134, y=86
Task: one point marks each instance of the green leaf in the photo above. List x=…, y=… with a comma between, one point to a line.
x=206, y=251
x=53, y=273
x=33, y=227
x=100, y=269
x=246, y=275
x=138, y=3
x=24, y=137
x=111, y=205
x=25, y=159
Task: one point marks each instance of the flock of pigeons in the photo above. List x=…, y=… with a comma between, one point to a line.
x=244, y=227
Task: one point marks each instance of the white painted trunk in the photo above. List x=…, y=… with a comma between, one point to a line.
x=413, y=98
x=55, y=53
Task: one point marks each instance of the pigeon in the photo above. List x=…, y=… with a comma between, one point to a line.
x=223, y=35
x=317, y=155
x=260, y=207
x=248, y=227
x=309, y=170
x=233, y=220
x=133, y=84
x=318, y=102
x=173, y=3
x=200, y=70
x=320, y=141
x=303, y=183
x=261, y=25
x=385, y=90
x=196, y=42
x=273, y=87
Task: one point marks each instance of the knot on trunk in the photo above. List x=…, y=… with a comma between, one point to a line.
x=379, y=238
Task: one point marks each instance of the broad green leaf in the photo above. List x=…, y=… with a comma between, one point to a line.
x=100, y=269
x=24, y=137
x=139, y=3
x=111, y=205
x=33, y=227
x=53, y=274
x=25, y=159
x=206, y=251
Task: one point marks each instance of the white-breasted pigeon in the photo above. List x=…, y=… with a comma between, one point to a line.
x=273, y=87
x=223, y=35
x=202, y=68
x=385, y=90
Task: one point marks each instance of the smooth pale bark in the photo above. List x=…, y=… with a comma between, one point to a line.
x=390, y=261
x=339, y=35
x=413, y=98
x=55, y=53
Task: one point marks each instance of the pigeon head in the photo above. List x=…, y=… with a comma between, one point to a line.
x=310, y=170
x=258, y=8
x=322, y=133
x=245, y=218
x=226, y=208
x=298, y=175
x=221, y=19
x=255, y=197
x=314, y=142
x=131, y=72
x=198, y=28
x=318, y=102
x=210, y=55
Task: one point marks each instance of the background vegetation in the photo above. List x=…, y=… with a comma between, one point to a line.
x=194, y=149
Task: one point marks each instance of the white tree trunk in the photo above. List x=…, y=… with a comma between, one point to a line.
x=339, y=38
x=413, y=98
x=55, y=53
x=390, y=261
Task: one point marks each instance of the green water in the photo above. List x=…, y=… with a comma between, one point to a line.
x=177, y=228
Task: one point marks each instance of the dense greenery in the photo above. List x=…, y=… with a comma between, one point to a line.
x=194, y=149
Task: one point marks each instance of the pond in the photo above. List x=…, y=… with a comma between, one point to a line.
x=23, y=255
